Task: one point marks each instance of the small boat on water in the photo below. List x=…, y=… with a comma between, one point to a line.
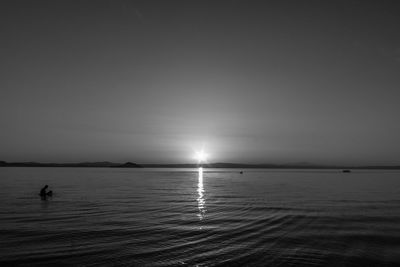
x=346, y=171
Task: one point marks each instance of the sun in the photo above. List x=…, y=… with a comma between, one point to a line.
x=201, y=156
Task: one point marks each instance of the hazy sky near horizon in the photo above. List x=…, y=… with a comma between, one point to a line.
x=151, y=81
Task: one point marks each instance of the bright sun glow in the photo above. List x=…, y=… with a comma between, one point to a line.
x=201, y=156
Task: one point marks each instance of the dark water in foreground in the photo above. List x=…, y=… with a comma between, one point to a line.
x=145, y=217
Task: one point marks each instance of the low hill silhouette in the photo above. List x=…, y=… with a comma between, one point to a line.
x=102, y=164
x=128, y=165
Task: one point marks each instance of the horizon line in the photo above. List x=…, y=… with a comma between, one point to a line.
x=191, y=165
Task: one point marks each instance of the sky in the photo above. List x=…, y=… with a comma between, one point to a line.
x=155, y=81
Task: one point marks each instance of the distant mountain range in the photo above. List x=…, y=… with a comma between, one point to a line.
x=107, y=164
x=102, y=164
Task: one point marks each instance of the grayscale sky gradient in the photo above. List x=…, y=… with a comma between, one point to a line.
x=152, y=81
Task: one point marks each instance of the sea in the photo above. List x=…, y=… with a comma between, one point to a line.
x=199, y=217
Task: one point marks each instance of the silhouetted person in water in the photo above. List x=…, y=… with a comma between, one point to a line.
x=43, y=194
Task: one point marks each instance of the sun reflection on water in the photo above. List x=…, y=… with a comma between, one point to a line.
x=201, y=203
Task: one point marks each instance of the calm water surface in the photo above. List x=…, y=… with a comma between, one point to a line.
x=217, y=217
